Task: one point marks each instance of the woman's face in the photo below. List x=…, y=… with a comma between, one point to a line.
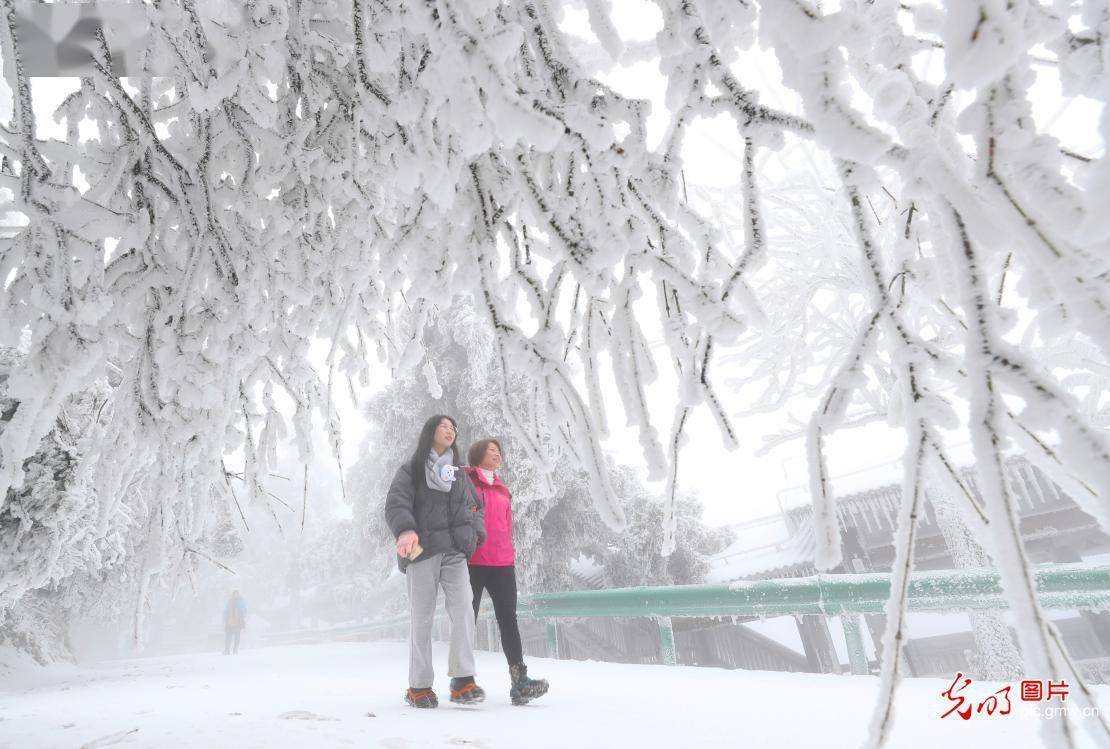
x=444, y=436
x=492, y=459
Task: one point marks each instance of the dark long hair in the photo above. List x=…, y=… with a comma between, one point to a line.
x=424, y=446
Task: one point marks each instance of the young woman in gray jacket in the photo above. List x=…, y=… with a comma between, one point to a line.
x=434, y=514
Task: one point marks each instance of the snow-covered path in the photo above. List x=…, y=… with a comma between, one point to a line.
x=349, y=694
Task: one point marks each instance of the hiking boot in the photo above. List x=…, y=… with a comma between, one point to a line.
x=464, y=691
x=421, y=697
x=524, y=689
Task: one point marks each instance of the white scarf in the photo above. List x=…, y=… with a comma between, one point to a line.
x=439, y=470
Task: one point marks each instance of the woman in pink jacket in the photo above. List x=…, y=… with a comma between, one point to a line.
x=492, y=566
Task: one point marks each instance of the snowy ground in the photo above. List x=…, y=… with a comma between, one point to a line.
x=347, y=694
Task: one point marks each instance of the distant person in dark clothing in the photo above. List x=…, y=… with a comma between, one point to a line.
x=493, y=566
x=235, y=619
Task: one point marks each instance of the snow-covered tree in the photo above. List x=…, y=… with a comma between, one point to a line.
x=554, y=523
x=341, y=169
x=634, y=556
x=62, y=560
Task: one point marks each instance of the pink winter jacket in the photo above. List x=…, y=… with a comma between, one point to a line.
x=497, y=551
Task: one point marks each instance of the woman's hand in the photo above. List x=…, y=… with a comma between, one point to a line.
x=405, y=543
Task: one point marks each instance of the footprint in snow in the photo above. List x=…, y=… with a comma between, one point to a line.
x=304, y=715
x=120, y=737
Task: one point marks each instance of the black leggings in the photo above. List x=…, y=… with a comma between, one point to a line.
x=501, y=584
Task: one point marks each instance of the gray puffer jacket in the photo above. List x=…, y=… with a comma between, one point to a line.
x=443, y=521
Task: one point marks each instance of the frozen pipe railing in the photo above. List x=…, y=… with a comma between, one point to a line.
x=1059, y=586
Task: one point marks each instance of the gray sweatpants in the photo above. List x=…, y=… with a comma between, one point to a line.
x=424, y=578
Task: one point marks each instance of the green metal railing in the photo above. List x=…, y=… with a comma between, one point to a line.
x=1059, y=586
